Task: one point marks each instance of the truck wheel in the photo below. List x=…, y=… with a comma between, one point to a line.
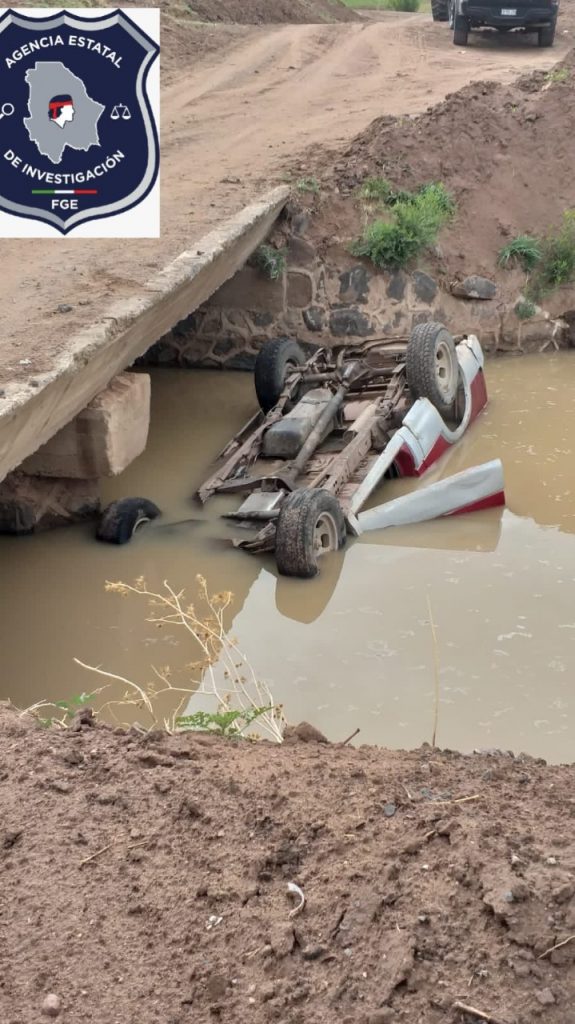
x=432, y=367
x=440, y=10
x=460, y=30
x=121, y=519
x=274, y=362
x=310, y=524
x=546, y=36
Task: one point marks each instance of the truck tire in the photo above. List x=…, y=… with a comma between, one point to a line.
x=432, y=367
x=440, y=10
x=460, y=30
x=121, y=519
x=546, y=36
x=310, y=524
x=274, y=362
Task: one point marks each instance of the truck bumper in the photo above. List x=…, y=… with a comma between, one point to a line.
x=488, y=14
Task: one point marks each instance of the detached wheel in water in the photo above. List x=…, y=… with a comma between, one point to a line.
x=310, y=525
x=121, y=519
x=432, y=367
x=274, y=363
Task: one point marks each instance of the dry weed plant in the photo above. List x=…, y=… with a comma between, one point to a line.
x=222, y=673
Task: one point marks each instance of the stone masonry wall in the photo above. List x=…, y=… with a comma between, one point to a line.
x=318, y=303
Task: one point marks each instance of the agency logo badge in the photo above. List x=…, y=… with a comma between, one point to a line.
x=78, y=136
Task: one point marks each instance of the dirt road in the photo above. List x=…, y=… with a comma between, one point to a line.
x=231, y=125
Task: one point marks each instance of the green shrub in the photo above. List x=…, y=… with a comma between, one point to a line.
x=523, y=251
x=550, y=261
x=525, y=309
x=436, y=194
x=270, y=261
x=386, y=245
x=557, y=264
x=412, y=225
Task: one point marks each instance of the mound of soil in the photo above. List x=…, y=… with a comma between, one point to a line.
x=506, y=154
x=263, y=12
x=145, y=878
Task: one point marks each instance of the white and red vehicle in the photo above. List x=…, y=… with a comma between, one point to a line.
x=331, y=427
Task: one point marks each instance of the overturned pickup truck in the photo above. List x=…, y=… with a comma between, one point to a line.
x=333, y=426
x=330, y=428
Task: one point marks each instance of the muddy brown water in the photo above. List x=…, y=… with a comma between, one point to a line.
x=352, y=648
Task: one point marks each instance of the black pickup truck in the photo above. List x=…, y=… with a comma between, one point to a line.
x=536, y=16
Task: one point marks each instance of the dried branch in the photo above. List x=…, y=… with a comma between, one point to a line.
x=241, y=689
x=435, y=673
x=490, y=1018
x=558, y=945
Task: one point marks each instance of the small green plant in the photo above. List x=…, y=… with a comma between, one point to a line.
x=558, y=75
x=67, y=709
x=525, y=309
x=270, y=261
x=308, y=185
x=380, y=190
x=226, y=722
x=412, y=226
x=435, y=195
x=523, y=251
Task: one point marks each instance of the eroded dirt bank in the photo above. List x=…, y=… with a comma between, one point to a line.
x=492, y=145
x=145, y=879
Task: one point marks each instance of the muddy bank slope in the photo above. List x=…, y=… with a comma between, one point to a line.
x=505, y=152
x=145, y=879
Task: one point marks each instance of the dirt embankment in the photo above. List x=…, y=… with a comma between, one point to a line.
x=145, y=879
x=265, y=12
x=505, y=152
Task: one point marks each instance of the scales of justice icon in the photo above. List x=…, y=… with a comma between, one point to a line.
x=120, y=111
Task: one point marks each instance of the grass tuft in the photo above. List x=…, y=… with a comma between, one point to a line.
x=558, y=75
x=523, y=251
x=380, y=190
x=550, y=261
x=270, y=261
x=308, y=185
